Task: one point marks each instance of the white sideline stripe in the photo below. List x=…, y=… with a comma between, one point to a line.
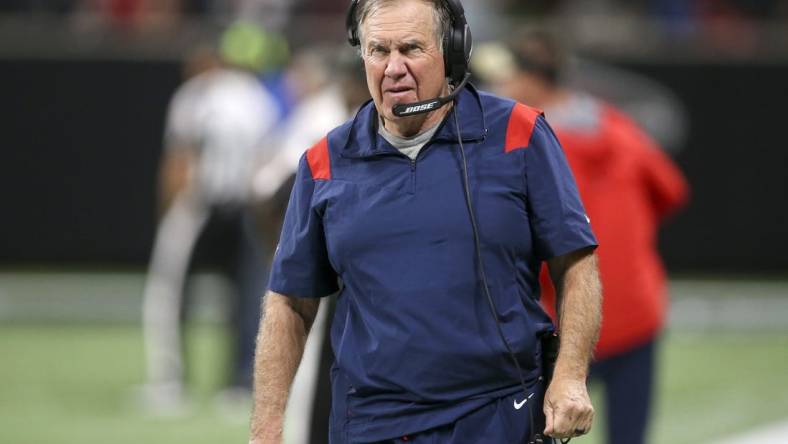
x=734, y=305
x=770, y=434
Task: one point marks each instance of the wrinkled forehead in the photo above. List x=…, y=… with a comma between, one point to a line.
x=409, y=21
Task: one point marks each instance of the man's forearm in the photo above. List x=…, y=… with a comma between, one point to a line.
x=580, y=306
x=567, y=406
x=280, y=345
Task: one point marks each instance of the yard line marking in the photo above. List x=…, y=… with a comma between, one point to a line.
x=770, y=434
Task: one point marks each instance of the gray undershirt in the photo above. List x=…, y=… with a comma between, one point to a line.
x=409, y=146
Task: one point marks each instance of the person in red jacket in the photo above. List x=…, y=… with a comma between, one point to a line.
x=628, y=186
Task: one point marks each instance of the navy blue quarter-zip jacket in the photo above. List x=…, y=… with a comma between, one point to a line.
x=414, y=338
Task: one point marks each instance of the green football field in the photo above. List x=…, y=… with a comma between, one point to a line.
x=74, y=384
x=71, y=379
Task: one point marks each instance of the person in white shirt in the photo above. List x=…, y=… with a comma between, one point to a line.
x=217, y=127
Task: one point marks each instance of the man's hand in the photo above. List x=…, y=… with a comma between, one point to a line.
x=176, y=173
x=567, y=408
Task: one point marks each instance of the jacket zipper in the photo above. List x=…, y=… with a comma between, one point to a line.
x=413, y=175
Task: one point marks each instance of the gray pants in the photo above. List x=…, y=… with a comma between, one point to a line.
x=163, y=299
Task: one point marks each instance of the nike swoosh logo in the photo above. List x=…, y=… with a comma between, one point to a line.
x=519, y=405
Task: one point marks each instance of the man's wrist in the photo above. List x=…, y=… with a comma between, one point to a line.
x=570, y=371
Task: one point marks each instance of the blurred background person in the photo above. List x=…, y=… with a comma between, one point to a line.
x=628, y=186
x=217, y=126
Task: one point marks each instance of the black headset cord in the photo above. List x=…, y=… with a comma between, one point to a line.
x=536, y=438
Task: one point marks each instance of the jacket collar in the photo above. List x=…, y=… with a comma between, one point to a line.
x=363, y=140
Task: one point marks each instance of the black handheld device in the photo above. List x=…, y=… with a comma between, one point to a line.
x=550, y=344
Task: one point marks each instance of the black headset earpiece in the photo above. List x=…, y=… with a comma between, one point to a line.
x=457, y=53
x=457, y=44
x=351, y=25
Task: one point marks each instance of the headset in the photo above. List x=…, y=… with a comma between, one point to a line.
x=457, y=49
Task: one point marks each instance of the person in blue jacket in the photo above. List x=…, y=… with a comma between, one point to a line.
x=430, y=218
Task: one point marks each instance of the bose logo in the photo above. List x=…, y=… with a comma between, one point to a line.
x=415, y=109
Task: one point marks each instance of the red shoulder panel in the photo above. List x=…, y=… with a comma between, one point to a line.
x=318, y=160
x=521, y=125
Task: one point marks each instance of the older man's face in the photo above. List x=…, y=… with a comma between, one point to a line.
x=401, y=55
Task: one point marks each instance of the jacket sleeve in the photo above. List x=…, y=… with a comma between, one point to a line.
x=301, y=267
x=666, y=184
x=663, y=181
x=558, y=220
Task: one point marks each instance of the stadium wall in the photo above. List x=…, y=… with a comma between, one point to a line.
x=82, y=139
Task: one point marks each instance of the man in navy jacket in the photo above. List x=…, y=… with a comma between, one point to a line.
x=432, y=227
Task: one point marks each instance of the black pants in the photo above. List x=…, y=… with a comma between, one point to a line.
x=231, y=243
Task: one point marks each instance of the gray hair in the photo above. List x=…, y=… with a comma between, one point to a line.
x=441, y=17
